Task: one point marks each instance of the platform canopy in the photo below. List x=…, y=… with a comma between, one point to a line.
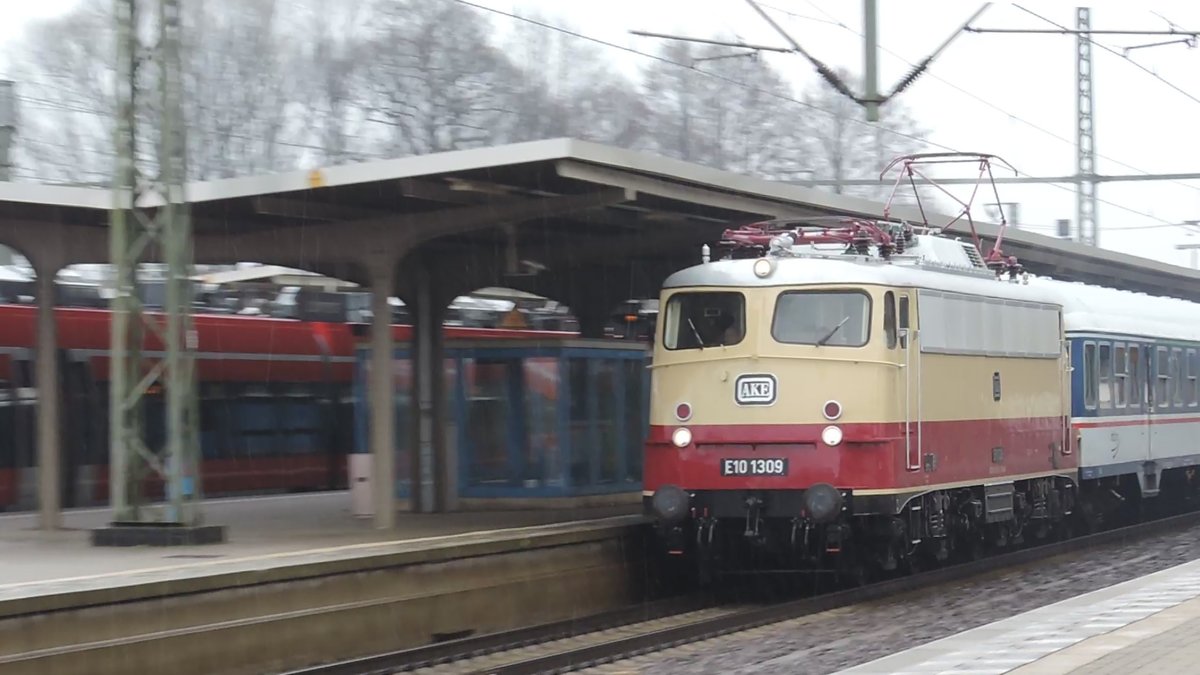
x=586, y=197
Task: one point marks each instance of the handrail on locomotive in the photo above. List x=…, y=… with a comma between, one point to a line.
x=888, y=236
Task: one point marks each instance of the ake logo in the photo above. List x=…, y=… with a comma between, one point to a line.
x=754, y=389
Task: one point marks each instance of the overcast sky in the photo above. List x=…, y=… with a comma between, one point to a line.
x=1024, y=81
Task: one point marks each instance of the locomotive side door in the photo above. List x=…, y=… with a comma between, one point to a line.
x=911, y=358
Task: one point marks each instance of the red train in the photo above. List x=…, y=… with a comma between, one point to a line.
x=276, y=402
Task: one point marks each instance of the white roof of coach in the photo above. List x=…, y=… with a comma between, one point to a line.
x=1098, y=309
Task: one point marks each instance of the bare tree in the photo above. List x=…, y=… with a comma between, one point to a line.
x=65, y=70
x=722, y=109
x=434, y=72
x=375, y=78
x=564, y=86
x=240, y=90
x=841, y=145
x=331, y=70
x=237, y=95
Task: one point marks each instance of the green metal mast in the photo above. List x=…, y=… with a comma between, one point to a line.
x=139, y=369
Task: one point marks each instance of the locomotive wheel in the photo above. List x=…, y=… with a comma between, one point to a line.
x=971, y=546
x=1089, y=520
x=704, y=573
x=913, y=563
x=858, y=574
x=1064, y=529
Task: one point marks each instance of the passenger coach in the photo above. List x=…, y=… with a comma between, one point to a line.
x=1136, y=396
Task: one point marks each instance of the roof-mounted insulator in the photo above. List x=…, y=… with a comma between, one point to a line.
x=858, y=235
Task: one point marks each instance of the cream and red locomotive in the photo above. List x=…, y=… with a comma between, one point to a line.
x=858, y=396
x=835, y=408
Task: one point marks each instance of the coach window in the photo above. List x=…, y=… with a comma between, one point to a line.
x=695, y=320
x=1120, y=376
x=1137, y=385
x=834, y=318
x=1178, y=391
x=1089, y=375
x=1104, y=373
x=1162, y=383
x=889, y=318
x=1193, y=384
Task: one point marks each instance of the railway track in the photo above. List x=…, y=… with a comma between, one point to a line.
x=572, y=645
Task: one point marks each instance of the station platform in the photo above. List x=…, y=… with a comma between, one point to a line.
x=1144, y=625
x=262, y=532
x=301, y=581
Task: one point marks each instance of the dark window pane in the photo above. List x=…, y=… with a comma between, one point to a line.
x=706, y=319
x=606, y=420
x=487, y=422
x=543, y=458
x=635, y=418
x=580, y=424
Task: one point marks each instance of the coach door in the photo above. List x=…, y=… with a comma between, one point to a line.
x=911, y=358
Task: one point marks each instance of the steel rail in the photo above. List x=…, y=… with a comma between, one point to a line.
x=490, y=643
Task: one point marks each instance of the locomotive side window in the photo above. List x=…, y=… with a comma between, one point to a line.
x=889, y=319
x=704, y=319
x=836, y=318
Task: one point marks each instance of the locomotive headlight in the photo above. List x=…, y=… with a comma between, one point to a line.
x=831, y=435
x=682, y=437
x=763, y=268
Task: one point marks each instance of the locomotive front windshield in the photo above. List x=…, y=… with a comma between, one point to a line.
x=696, y=320
x=839, y=318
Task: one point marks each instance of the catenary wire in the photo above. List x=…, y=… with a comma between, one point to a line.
x=773, y=94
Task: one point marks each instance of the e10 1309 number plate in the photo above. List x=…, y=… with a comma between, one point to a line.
x=758, y=466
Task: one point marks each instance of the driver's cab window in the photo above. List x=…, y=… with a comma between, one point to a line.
x=695, y=320
x=822, y=317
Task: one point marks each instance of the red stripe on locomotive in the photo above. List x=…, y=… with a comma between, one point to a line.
x=870, y=457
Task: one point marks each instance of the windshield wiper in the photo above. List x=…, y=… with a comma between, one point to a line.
x=831, y=333
x=699, y=340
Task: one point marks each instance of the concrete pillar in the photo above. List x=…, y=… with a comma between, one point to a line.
x=382, y=394
x=434, y=470
x=48, y=392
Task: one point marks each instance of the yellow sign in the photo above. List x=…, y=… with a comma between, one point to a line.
x=514, y=320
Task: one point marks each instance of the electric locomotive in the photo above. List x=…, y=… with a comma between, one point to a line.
x=855, y=408
x=860, y=396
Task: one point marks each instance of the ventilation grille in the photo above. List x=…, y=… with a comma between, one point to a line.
x=973, y=255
